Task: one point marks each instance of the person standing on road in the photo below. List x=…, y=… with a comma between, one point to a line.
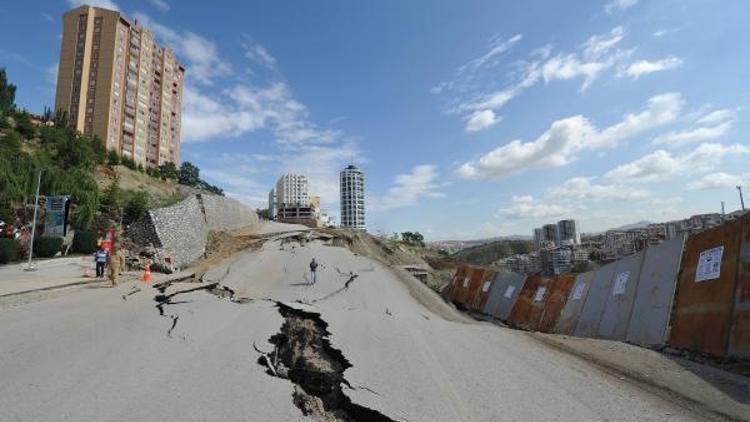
x=116, y=260
x=101, y=261
x=313, y=271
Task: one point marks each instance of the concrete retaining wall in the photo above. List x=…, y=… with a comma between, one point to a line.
x=181, y=231
x=588, y=322
x=572, y=310
x=614, y=322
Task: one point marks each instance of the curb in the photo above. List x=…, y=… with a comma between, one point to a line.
x=622, y=372
x=48, y=288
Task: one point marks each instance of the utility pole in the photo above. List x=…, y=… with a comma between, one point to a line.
x=742, y=201
x=723, y=213
x=33, y=222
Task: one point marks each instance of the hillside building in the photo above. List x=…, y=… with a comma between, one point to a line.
x=115, y=82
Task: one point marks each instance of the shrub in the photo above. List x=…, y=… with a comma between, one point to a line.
x=8, y=250
x=136, y=206
x=47, y=246
x=112, y=158
x=24, y=126
x=85, y=242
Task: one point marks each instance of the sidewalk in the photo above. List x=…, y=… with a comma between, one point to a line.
x=712, y=389
x=49, y=274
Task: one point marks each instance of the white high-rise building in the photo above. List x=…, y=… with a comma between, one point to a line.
x=272, y=203
x=538, y=237
x=291, y=191
x=352, y=198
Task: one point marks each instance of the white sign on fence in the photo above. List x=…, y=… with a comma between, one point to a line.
x=709, y=264
x=486, y=287
x=578, y=291
x=466, y=282
x=540, y=294
x=509, y=291
x=621, y=283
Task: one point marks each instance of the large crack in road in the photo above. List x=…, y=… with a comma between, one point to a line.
x=303, y=354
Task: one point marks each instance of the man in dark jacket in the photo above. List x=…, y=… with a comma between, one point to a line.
x=313, y=271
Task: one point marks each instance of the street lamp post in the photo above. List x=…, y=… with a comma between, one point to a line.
x=29, y=267
x=742, y=200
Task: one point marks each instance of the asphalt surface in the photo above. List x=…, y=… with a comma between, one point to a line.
x=107, y=354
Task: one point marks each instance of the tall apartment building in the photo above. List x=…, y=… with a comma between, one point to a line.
x=352, y=198
x=567, y=232
x=550, y=233
x=117, y=83
x=538, y=238
x=292, y=190
x=272, y=203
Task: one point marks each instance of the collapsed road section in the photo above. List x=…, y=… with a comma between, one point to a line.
x=303, y=354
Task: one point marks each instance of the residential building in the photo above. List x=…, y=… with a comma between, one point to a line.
x=352, y=198
x=567, y=233
x=116, y=83
x=550, y=233
x=272, y=203
x=538, y=238
x=292, y=190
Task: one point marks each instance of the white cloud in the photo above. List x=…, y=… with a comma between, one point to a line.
x=203, y=63
x=527, y=207
x=258, y=54
x=619, y=5
x=719, y=180
x=588, y=62
x=558, y=145
x=408, y=188
x=582, y=188
x=107, y=4
x=598, y=45
x=662, y=165
x=481, y=120
x=709, y=127
x=643, y=67
x=162, y=5
x=51, y=72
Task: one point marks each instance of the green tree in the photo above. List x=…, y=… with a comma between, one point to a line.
x=112, y=197
x=169, y=171
x=24, y=125
x=7, y=94
x=189, y=174
x=136, y=206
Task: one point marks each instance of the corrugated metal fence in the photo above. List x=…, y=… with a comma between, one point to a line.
x=701, y=286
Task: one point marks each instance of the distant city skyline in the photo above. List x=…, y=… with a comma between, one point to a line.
x=471, y=119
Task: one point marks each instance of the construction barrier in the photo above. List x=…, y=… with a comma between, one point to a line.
x=503, y=294
x=555, y=302
x=530, y=303
x=739, y=335
x=705, y=298
x=566, y=324
x=613, y=324
x=655, y=293
x=449, y=291
x=591, y=314
x=479, y=297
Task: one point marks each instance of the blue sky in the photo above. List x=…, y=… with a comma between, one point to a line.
x=470, y=118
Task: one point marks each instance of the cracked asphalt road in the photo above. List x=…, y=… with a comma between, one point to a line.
x=96, y=355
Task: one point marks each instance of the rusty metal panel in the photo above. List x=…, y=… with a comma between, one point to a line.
x=556, y=298
x=739, y=335
x=530, y=303
x=504, y=293
x=655, y=293
x=588, y=321
x=449, y=291
x=479, y=298
x=705, y=293
x=469, y=286
x=614, y=322
x=566, y=324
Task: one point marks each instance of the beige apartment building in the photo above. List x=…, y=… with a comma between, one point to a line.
x=117, y=83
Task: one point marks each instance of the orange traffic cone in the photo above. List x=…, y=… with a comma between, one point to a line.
x=147, y=277
x=86, y=268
